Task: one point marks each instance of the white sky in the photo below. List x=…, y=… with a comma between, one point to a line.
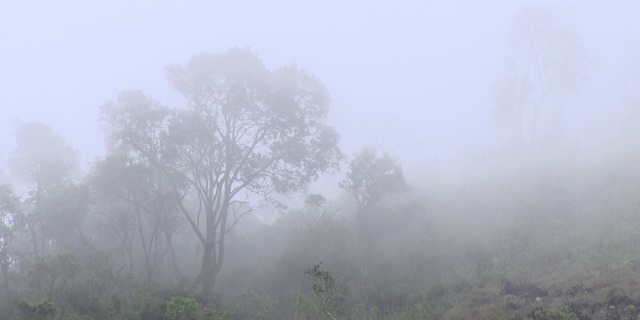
x=411, y=77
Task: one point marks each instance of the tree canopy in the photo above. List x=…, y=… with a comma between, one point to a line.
x=371, y=176
x=246, y=131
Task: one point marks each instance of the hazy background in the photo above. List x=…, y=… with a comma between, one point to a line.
x=414, y=78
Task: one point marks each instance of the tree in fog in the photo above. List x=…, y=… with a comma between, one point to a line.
x=47, y=165
x=246, y=131
x=371, y=176
x=546, y=59
x=9, y=222
x=141, y=202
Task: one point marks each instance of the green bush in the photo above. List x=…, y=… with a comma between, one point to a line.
x=182, y=308
x=556, y=313
x=42, y=310
x=254, y=306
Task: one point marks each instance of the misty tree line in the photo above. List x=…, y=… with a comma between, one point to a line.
x=175, y=178
x=167, y=225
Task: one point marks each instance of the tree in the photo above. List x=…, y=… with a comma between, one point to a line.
x=547, y=58
x=42, y=159
x=247, y=131
x=48, y=165
x=325, y=287
x=143, y=198
x=10, y=218
x=371, y=176
x=54, y=271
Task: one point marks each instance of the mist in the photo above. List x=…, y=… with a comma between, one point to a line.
x=319, y=161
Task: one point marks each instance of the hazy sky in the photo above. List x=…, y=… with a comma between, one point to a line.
x=411, y=77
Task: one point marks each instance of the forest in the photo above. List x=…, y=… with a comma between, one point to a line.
x=205, y=211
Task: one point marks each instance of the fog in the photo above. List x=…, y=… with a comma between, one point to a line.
x=431, y=160
x=419, y=75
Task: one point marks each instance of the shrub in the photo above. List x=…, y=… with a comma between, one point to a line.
x=42, y=310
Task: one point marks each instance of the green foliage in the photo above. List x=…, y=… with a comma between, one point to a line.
x=304, y=307
x=54, y=272
x=148, y=307
x=322, y=281
x=41, y=310
x=556, y=313
x=183, y=308
x=324, y=286
x=10, y=221
x=254, y=306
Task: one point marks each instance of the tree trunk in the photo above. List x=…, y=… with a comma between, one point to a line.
x=213, y=252
x=208, y=274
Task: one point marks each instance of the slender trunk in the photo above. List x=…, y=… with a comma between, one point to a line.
x=214, y=253
x=172, y=253
x=34, y=241
x=208, y=280
x=146, y=247
x=209, y=256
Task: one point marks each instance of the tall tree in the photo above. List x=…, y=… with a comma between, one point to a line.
x=371, y=177
x=48, y=165
x=140, y=192
x=547, y=58
x=246, y=131
x=42, y=158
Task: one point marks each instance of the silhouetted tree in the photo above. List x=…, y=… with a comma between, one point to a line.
x=371, y=177
x=139, y=191
x=48, y=165
x=547, y=58
x=10, y=218
x=247, y=131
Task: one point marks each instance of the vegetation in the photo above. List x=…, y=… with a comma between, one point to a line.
x=536, y=235
x=184, y=219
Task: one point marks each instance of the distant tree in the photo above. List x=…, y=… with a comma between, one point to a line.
x=371, y=176
x=142, y=196
x=54, y=271
x=42, y=159
x=47, y=164
x=547, y=58
x=10, y=220
x=246, y=131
